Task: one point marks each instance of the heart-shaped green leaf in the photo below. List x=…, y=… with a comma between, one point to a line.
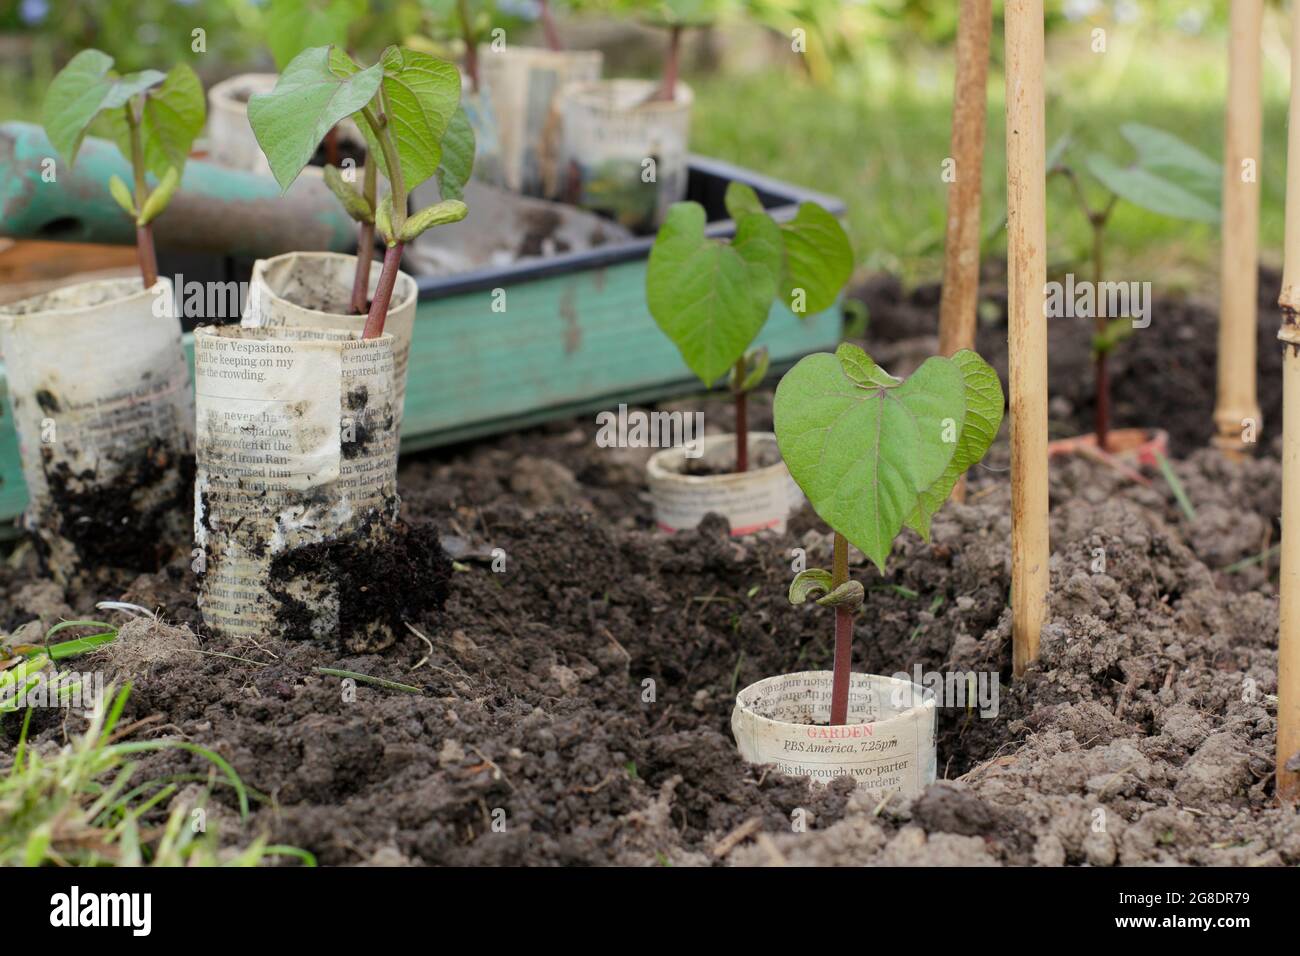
x=308, y=100
x=81, y=91
x=864, y=453
x=421, y=95
x=711, y=298
x=457, y=156
x=1152, y=191
x=171, y=117
x=294, y=25
x=984, y=405
x=818, y=260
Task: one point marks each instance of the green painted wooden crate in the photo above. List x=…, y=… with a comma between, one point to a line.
x=575, y=337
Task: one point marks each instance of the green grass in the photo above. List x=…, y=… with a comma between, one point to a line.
x=877, y=140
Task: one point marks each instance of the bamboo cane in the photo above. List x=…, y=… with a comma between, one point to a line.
x=961, y=253
x=1288, y=658
x=1027, y=328
x=1237, y=404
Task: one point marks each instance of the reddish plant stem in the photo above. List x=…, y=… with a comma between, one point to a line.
x=1102, y=421
x=361, y=279
x=332, y=146
x=383, y=292
x=843, y=638
x=145, y=255
x=471, y=48
x=742, y=420
x=548, y=27
x=1101, y=424
x=672, y=62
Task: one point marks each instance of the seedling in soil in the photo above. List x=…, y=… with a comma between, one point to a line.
x=712, y=297
x=152, y=116
x=875, y=454
x=408, y=108
x=1168, y=177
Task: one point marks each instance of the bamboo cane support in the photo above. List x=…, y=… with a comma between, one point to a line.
x=961, y=256
x=1027, y=327
x=1237, y=401
x=1288, y=662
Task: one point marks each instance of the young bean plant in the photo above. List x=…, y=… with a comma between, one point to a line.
x=712, y=297
x=1167, y=177
x=875, y=454
x=153, y=117
x=408, y=108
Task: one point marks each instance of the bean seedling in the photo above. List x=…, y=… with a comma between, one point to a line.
x=712, y=297
x=874, y=454
x=153, y=117
x=408, y=108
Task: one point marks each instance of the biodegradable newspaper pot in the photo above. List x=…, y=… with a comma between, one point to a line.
x=295, y=492
x=523, y=84
x=684, y=489
x=623, y=152
x=304, y=290
x=230, y=140
x=101, y=396
x=887, y=745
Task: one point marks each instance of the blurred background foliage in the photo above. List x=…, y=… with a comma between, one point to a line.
x=863, y=112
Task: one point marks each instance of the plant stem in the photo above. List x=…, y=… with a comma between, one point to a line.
x=365, y=243
x=1101, y=421
x=378, y=123
x=144, y=248
x=742, y=420
x=843, y=637
x=548, y=27
x=668, y=91
x=383, y=292
x=471, y=48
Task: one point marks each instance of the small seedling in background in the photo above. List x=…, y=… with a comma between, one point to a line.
x=153, y=117
x=712, y=297
x=875, y=454
x=407, y=106
x=1168, y=177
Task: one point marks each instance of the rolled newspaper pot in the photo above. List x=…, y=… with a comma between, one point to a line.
x=105, y=420
x=887, y=746
x=524, y=84
x=296, y=485
x=305, y=290
x=624, y=153
x=759, y=499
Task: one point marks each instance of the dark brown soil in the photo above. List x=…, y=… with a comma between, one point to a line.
x=1163, y=375
x=577, y=687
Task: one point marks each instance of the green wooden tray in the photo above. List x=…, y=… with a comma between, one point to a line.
x=575, y=338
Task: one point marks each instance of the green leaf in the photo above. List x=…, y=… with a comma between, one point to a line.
x=457, y=156
x=421, y=94
x=121, y=192
x=809, y=584
x=863, y=453
x=757, y=362
x=1165, y=154
x=741, y=201
x=171, y=117
x=294, y=25
x=81, y=91
x=353, y=202
x=859, y=367
x=1117, y=330
x=308, y=100
x=711, y=298
x=1151, y=191
x=160, y=197
x=818, y=260
x=975, y=433
x=439, y=214
x=384, y=218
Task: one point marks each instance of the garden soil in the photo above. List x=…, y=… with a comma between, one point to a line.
x=575, y=690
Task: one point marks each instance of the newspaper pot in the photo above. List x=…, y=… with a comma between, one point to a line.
x=523, y=84
x=887, y=746
x=295, y=491
x=623, y=152
x=101, y=397
x=751, y=501
x=230, y=139
x=305, y=290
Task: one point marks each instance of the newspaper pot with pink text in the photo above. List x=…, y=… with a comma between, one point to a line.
x=624, y=153
x=887, y=745
x=524, y=85
x=296, y=510
x=691, y=481
x=105, y=420
x=304, y=290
